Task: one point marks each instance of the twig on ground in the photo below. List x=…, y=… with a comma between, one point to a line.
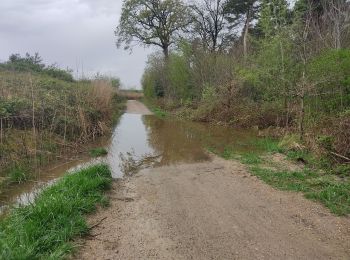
x=97, y=224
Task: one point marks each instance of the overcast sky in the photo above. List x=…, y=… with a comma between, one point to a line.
x=71, y=33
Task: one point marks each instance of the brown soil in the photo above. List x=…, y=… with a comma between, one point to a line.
x=136, y=107
x=212, y=210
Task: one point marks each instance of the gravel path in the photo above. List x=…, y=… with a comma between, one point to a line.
x=212, y=210
x=136, y=107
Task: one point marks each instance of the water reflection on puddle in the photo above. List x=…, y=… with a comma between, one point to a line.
x=144, y=136
x=145, y=139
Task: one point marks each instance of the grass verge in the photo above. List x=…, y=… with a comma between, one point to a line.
x=157, y=111
x=316, y=183
x=45, y=229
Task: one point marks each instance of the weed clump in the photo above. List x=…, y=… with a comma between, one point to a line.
x=18, y=174
x=97, y=152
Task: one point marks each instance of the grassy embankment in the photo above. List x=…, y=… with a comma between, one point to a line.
x=155, y=108
x=297, y=170
x=44, y=119
x=46, y=228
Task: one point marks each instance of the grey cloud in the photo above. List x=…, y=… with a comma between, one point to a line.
x=73, y=33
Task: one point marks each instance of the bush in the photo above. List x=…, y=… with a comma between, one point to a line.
x=341, y=134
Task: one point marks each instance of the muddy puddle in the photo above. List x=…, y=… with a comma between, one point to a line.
x=140, y=141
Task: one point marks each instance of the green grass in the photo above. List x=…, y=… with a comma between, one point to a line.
x=45, y=229
x=158, y=112
x=323, y=188
x=334, y=196
x=250, y=158
x=18, y=174
x=317, y=183
x=97, y=152
x=119, y=105
x=269, y=145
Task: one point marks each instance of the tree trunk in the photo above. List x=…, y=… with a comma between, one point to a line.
x=302, y=107
x=1, y=131
x=165, y=81
x=245, y=33
x=302, y=114
x=166, y=53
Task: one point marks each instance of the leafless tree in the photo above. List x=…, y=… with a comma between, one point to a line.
x=331, y=22
x=210, y=24
x=337, y=16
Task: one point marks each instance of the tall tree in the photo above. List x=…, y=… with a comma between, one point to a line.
x=152, y=22
x=330, y=21
x=337, y=17
x=240, y=12
x=274, y=16
x=210, y=24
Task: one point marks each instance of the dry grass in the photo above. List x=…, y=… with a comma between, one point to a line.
x=102, y=93
x=42, y=117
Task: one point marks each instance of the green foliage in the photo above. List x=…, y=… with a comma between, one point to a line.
x=159, y=112
x=330, y=71
x=342, y=170
x=65, y=113
x=269, y=145
x=237, y=9
x=153, y=83
x=97, y=152
x=46, y=228
x=250, y=158
x=58, y=73
x=116, y=83
x=208, y=94
x=179, y=76
x=35, y=64
x=290, y=78
x=294, y=181
x=274, y=16
x=326, y=142
x=10, y=107
x=18, y=174
x=151, y=22
x=27, y=63
x=336, y=197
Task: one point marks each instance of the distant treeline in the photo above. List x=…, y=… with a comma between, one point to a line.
x=34, y=63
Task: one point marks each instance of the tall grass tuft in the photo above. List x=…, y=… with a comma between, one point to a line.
x=45, y=229
x=97, y=152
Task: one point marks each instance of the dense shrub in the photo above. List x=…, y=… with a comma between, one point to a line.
x=64, y=115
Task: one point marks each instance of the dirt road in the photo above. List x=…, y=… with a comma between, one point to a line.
x=211, y=210
x=136, y=107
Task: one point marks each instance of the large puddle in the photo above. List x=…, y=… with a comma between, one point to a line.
x=143, y=140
